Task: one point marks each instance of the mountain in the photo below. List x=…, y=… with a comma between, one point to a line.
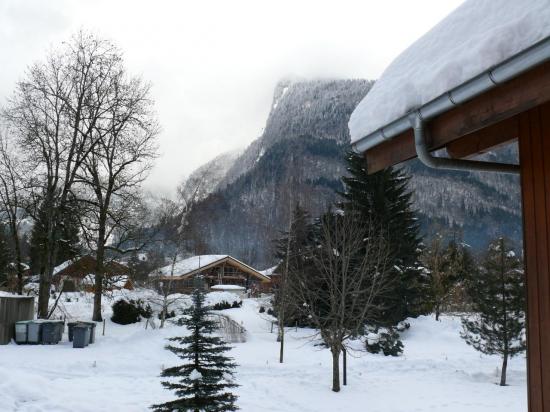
x=207, y=178
x=300, y=158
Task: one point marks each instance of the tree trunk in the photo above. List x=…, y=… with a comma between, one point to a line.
x=504, y=367
x=98, y=284
x=335, y=370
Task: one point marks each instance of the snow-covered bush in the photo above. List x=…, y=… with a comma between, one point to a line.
x=385, y=340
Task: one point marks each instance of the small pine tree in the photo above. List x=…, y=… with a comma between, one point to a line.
x=201, y=384
x=498, y=297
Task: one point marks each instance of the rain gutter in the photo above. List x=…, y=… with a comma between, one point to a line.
x=525, y=60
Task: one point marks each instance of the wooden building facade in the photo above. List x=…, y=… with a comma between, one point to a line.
x=507, y=103
x=214, y=269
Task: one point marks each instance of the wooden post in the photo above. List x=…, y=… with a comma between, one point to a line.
x=103, y=334
x=534, y=143
x=345, y=366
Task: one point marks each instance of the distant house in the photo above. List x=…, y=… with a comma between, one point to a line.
x=12, y=272
x=78, y=274
x=215, y=269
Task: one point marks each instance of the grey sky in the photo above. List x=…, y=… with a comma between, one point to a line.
x=213, y=64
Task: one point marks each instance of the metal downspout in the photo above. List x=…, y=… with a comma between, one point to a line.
x=426, y=157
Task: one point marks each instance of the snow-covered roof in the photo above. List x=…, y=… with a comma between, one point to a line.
x=195, y=263
x=269, y=271
x=189, y=265
x=475, y=37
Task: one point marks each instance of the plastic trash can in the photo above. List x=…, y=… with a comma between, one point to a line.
x=34, y=332
x=51, y=332
x=81, y=335
x=70, y=327
x=92, y=326
x=21, y=331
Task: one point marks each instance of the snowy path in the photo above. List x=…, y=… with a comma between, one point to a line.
x=439, y=372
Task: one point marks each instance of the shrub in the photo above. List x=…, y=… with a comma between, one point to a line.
x=385, y=340
x=262, y=309
x=125, y=312
x=221, y=305
x=169, y=315
x=237, y=304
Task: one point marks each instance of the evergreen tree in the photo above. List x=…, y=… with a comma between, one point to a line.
x=498, y=296
x=382, y=199
x=291, y=249
x=449, y=265
x=201, y=383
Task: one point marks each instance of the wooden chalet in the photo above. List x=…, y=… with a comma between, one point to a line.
x=78, y=274
x=215, y=269
x=506, y=99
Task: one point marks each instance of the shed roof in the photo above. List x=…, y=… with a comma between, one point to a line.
x=475, y=37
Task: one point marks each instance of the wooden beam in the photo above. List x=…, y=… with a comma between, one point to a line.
x=498, y=134
x=503, y=102
x=534, y=144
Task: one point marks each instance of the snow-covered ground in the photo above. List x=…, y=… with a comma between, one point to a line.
x=120, y=372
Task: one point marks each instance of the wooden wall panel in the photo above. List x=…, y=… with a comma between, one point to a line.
x=534, y=142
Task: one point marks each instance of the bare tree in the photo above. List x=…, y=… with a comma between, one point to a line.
x=11, y=199
x=115, y=168
x=340, y=287
x=56, y=111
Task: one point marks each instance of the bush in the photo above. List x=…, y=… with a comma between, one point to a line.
x=127, y=312
x=271, y=312
x=262, y=309
x=169, y=315
x=226, y=305
x=385, y=340
x=221, y=305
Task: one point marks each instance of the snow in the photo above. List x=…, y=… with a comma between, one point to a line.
x=188, y=265
x=269, y=271
x=477, y=35
x=120, y=372
x=228, y=287
x=195, y=375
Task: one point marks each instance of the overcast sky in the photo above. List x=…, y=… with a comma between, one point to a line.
x=214, y=64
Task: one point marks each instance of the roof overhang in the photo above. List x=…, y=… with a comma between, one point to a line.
x=472, y=117
x=228, y=260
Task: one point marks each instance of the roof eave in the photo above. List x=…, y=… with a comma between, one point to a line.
x=521, y=62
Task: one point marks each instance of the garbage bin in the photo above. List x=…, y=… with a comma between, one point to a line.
x=21, y=332
x=34, y=331
x=70, y=327
x=51, y=331
x=60, y=329
x=92, y=326
x=81, y=335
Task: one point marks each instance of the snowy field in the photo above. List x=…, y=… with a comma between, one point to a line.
x=120, y=372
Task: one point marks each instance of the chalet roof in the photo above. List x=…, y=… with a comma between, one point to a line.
x=195, y=264
x=85, y=265
x=473, y=39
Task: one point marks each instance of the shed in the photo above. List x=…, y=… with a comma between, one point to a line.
x=478, y=79
x=13, y=308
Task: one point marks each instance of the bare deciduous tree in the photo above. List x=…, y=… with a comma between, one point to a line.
x=12, y=191
x=55, y=112
x=116, y=166
x=341, y=286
